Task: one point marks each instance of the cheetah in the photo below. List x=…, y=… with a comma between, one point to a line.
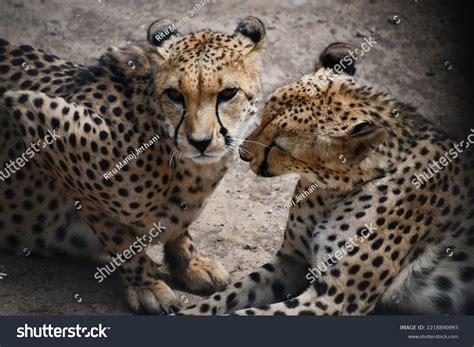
x=396, y=245
x=187, y=101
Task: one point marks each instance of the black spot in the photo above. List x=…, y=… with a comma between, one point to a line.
x=338, y=299
x=117, y=240
x=90, y=174
x=16, y=76
x=376, y=245
x=251, y=296
x=392, y=225
x=278, y=290
x=443, y=283
x=26, y=84
x=377, y=261
x=269, y=267
x=55, y=123
x=72, y=140
x=17, y=218
x=48, y=58
x=255, y=276
x=4, y=68
x=230, y=301
x=459, y=256
x=38, y=102
x=204, y=308
x=104, y=164
x=321, y=288
x=103, y=135
x=292, y=303
x=368, y=274
x=351, y=308
x=53, y=205
x=117, y=111
x=9, y=194
x=32, y=72
x=467, y=274
x=365, y=197
x=354, y=269
x=363, y=285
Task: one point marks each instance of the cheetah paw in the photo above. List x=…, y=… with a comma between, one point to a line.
x=205, y=276
x=157, y=298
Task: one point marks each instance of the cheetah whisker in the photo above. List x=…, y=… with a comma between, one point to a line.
x=250, y=141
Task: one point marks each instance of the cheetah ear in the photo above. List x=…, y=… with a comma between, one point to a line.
x=161, y=31
x=130, y=62
x=253, y=29
x=337, y=57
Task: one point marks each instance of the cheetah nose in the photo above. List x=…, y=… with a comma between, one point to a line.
x=201, y=145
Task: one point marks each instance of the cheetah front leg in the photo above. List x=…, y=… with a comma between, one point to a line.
x=197, y=273
x=273, y=282
x=320, y=299
x=143, y=282
x=308, y=303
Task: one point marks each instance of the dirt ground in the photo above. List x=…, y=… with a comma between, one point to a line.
x=419, y=61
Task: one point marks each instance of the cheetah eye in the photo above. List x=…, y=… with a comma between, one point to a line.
x=227, y=94
x=175, y=96
x=362, y=128
x=279, y=147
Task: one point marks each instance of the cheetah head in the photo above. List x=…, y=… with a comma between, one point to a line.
x=323, y=126
x=206, y=84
